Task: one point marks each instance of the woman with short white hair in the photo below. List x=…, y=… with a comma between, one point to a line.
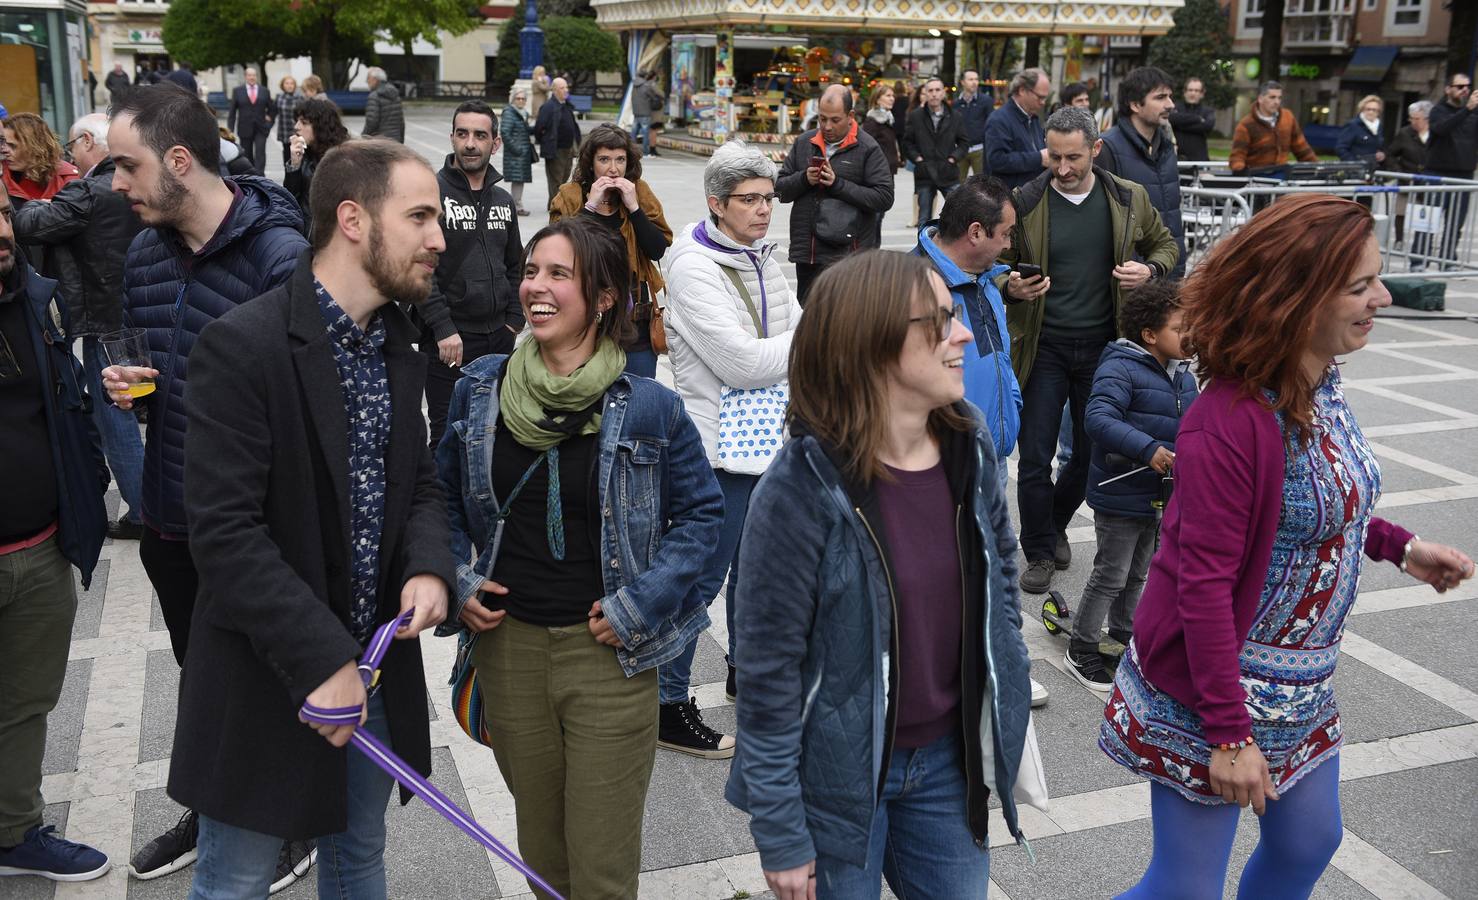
x=730, y=315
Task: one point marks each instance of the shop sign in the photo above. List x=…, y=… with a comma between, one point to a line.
x=1300, y=70
x=146, y=36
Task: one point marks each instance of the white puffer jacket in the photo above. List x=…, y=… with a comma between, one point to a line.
x=711, y=338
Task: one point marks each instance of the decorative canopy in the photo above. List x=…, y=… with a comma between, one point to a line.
x=896, y=16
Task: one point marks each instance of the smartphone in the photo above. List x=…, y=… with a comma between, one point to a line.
x=1027, y=270
x=817, y=162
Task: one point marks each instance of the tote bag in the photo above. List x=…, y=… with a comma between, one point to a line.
x=751, y=421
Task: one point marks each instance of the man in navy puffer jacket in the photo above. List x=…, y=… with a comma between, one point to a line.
x=209, y=245
x=1139, y=148
x=1141, y=389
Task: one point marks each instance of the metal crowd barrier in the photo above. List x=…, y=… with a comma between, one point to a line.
x=1423, y=222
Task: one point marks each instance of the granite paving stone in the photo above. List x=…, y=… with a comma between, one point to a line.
x=1424, y=820
x=1435, y=638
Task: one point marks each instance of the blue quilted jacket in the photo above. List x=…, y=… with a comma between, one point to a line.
x=815, y=634
x=1135, y=408
x=174, y=294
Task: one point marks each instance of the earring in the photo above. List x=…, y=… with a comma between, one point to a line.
x=598, y=314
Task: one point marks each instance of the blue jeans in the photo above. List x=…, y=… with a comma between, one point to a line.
x=1062, y=374
x=642, y=131
x=673, y=678
x=236, y=863
x=926, y=193
x=641, y=362
x=122, y=446
x=921, y=839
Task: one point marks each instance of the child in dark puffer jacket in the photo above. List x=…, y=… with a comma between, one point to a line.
x=1141, y=389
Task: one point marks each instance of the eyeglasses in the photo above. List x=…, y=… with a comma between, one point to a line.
x=750, y=201
x=1461, y=87
x=943, y=319
x=1042, y=97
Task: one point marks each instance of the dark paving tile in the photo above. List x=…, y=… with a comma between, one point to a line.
x=1450, y=522
x=1378, y=365
x=161, y=701
x=29, y=887
x=1447, y=393
x=1374, y=705
x=1401, y=477
x=1461, y=355
x=425, y=855
x=1082, y=865
x=708, y=663
x=1371, y=410
x=1432, y=832
x=90, y=602
x=156, y=615
x=1426, y=636
x=687, y=819
x=64, y=725
x=1453, y=449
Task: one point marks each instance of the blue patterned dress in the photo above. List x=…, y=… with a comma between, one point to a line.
x=1330, y=489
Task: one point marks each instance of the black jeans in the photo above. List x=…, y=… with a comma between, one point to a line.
x=441, y=378
x=171, y=571
x=1062, y=373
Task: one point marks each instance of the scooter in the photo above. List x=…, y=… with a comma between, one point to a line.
x=1056, y=614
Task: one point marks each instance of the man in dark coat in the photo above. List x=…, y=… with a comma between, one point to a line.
x=1015, y=146
x=311, y=535
x=117, y=82
x=87, y=227
x=1138, y=148
x=473, y=309
x=1192, y=121
x=52, y=520
x=974, y=107
x=840, y=182
x=250, y=117
x=210, y=244
x=558, y=135
x=383, y=115
x=936, y=143
x=1452, y=152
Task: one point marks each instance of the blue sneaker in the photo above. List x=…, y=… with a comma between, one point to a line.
x=44, y=854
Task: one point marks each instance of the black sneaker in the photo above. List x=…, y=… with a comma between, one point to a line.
x=1037, y=577
x=731, y=684
x=1086, y=665
x=124, y=530
x=681, y=728
x=45, y=855
x=296, y=859
x=170, y=852
x=1062, y=555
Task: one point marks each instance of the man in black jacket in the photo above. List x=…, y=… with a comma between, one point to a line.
x=310, y=535
x=1192, y=121
x=1138, y=148
x=250, y=117
x=473, y=309
x=558, y=135
x=840, y=182
x=52, y=479
x=117, y=82
x=88, y=227
x=1452, y=152
x=936, y=142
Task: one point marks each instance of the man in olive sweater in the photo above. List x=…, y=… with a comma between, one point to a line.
x=1095, y=236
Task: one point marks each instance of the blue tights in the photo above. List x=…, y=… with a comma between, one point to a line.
x=1193, y=843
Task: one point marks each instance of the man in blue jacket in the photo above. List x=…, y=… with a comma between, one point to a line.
x=1138, y=148
x=209, y=244
x=52, y=478
x=973, y=108
x=1015, y=146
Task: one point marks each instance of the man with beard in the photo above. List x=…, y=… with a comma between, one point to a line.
x=316, y=517
x=473, y=309
x=208, y=244
x=52, y=519
x=1139, y=147
x=1094, y=236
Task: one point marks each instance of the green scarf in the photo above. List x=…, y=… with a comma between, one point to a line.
x=543, y=409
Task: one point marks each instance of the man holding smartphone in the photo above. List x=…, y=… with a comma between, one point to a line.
x=1097, y=236
x=840, y=182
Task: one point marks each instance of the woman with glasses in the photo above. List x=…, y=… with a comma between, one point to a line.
x=879, y=628
x=607, y=187
x=586, y=495
x=35, y=169
x=730, y=317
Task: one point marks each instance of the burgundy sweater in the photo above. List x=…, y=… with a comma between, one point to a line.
x=1216, y=543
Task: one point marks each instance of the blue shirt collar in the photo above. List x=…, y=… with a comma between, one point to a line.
x=953, y=275
x=342, y=330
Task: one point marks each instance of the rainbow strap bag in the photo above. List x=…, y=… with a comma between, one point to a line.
x=466, y=698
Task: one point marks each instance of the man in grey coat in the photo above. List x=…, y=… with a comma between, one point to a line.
x=383, y=116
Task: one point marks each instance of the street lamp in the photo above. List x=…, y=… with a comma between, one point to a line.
x=530, y=42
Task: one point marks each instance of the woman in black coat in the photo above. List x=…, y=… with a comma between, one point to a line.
x=318, y=130
x=1408, y=152
x=882, y=126
x=1361, y=140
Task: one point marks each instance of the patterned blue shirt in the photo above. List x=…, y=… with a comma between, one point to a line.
x=361, y=364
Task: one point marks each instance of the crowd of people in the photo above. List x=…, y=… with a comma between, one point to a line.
x=832, y=455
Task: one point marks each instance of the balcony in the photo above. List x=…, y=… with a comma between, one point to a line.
x=1319, y=24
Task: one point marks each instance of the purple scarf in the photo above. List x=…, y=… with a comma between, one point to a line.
x=700, y=234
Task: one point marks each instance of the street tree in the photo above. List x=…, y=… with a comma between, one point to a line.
x=1199, y=46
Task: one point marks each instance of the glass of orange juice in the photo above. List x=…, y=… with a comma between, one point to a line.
x=130, y=347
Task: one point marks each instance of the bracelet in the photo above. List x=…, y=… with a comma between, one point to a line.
x=1406, y=551
x=1236, y=745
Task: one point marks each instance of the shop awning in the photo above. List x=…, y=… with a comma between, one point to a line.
x=1369, y=65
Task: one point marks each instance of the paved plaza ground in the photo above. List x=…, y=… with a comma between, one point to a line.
x=1407, y=685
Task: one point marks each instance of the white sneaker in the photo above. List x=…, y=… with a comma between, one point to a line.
x=1039, y=694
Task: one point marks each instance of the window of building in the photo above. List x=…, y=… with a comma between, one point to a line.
x=1251, y=20
x=1406, y=17
x=1371, y=5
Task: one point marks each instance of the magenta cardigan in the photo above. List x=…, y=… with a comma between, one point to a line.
x=1215, y=547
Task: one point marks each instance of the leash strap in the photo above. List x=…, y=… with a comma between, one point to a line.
x=395, y=767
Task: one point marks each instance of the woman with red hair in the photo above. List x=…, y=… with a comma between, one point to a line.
x=1225, y=696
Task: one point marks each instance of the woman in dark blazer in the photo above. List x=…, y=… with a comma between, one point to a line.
x=1360, y=140
x=518, y=147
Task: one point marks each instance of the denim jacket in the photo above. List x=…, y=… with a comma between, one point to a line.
x=815, y=630
x=661, y=509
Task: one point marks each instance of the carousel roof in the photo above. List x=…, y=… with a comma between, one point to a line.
x=897, y=16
